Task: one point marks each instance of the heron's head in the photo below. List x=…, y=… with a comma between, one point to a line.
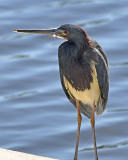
x=67, y=31
x=71, y=32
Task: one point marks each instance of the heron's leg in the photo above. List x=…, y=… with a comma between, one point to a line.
x=93, y=130
x=79, y=118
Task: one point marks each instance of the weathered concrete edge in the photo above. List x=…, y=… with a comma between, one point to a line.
x=14, y=155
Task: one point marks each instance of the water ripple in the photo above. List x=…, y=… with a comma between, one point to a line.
x=108, y=146
x=22, y=94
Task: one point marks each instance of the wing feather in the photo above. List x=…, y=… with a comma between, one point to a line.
x=102, y=76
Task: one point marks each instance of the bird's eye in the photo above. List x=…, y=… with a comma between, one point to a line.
x=66, y=32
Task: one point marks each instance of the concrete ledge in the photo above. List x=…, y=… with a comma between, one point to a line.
x=14, y=155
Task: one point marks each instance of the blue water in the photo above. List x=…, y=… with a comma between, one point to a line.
x=35, y=115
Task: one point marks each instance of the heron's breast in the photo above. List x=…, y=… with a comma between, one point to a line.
x=88, y=96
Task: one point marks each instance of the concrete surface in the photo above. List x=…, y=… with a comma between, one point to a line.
x=14, y=155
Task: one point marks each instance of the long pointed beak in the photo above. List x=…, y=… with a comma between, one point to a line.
x=38, y=31
x=57, y=32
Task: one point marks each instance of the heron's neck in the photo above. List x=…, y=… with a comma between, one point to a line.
x=81, y=45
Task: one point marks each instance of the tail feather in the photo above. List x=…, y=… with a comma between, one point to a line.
x=86, y=110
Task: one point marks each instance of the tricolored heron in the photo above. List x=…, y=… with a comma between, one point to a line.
x=83, y=72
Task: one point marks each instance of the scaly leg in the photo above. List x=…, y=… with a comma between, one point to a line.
x=93, y=130
x=79, y=118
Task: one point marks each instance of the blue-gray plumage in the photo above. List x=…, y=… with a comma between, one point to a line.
x=76, y=61
x=83, y=72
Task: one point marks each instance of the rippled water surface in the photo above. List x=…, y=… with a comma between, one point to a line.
x=35, y=115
